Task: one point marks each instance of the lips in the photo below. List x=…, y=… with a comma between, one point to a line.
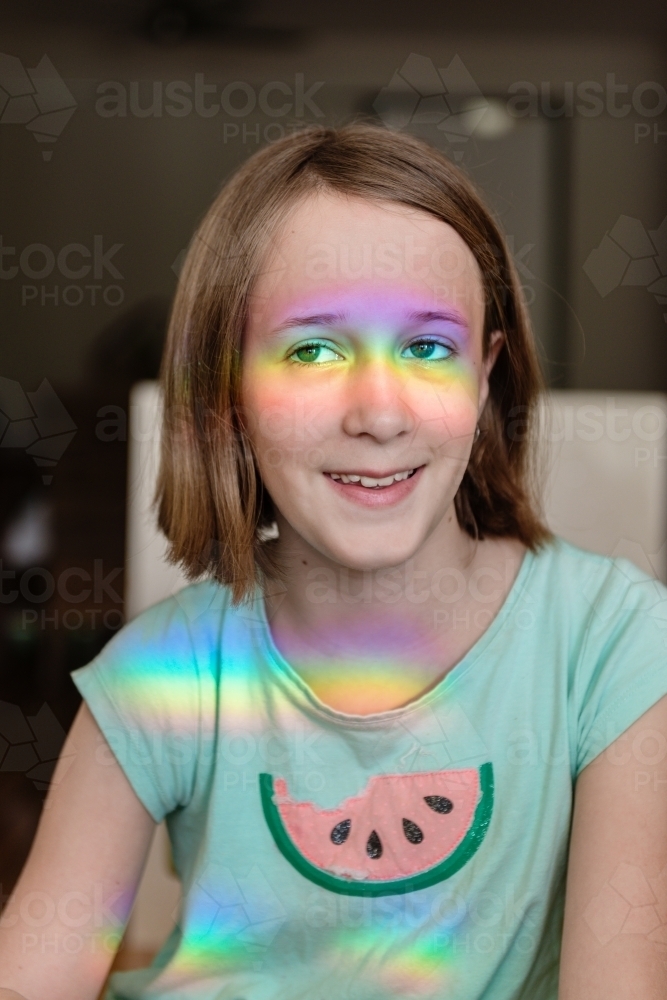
x=395, y=490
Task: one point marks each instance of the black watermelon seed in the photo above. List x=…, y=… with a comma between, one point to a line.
x=412, y=832
x=374, y=846
x=341, y=831
x=438, y=803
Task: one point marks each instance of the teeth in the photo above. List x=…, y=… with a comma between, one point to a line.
x=369, y=482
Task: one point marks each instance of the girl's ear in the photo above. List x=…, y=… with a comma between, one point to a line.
x=496, y=341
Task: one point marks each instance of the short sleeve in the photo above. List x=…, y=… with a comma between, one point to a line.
x=622, y=667
x=144, y=691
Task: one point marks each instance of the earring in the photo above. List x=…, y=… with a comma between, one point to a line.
x=477, y=433
x=268, y=533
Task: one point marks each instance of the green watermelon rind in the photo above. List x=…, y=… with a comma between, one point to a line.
x=349, y=887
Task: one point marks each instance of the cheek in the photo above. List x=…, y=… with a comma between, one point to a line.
x=445, y=406
x=286, y=422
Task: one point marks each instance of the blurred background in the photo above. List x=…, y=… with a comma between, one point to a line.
x=119, y=122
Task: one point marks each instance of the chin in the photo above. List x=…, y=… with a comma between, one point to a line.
x=370, y=555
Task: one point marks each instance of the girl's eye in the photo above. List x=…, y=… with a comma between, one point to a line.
x=427, y=350
x=315, y=352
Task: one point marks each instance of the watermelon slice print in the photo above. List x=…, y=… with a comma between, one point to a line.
x=403, y=832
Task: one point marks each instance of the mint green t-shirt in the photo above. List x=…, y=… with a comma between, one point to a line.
x=419, y=852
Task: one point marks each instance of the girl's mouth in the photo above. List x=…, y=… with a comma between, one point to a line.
x=371, y=482
x=373, y=489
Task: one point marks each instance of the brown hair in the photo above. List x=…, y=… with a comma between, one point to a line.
x=210, y=497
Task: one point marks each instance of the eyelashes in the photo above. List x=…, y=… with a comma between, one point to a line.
x=423, y=349
x=431, y=349
x=312, y=352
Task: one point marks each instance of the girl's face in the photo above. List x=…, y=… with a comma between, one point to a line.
x=363, y=377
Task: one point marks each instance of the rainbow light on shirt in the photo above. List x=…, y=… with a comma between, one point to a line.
x=415, y=967
x=418, y=965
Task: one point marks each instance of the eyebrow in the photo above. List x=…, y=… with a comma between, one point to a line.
x=317, y=319
x=431, y=316
x=334, y=319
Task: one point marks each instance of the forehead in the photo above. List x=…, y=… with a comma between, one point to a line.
x=371, y=257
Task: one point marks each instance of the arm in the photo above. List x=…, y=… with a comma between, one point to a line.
x=615, y=930
x=63, y=922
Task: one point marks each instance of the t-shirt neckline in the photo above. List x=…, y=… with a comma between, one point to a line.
x=302, y=693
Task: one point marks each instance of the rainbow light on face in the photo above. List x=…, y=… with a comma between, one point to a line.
x=372, y=337
x=279, y=392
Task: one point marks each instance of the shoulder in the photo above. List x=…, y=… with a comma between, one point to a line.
x=615, y=624
x=596, y=584
x=202, y=604
x=161, y=665
x=169, y=635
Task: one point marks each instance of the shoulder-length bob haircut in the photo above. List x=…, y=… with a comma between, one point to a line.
x=211, y=502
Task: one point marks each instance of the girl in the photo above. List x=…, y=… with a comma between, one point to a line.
x=365, y=724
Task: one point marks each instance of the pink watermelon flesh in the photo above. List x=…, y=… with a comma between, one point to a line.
x=400, y=825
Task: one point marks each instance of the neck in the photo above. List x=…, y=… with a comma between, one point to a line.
x=403, y=609
x=372, y=641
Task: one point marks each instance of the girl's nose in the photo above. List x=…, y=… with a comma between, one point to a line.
x=376, y=404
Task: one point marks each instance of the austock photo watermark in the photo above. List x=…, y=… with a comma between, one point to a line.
x=74, y=922
x=296, y=422
x=473, y=924
x=631, y=901
x=327, y=261
x=253, y=911
x=73, y=586
x=39, y=423
x=40, y=101
x=31, y=744
x=447, y=585
x=531, y=747
x=37, y=98
x=423, y=91
x=36, y=422
x=234, y=751
x=236, y=100
x=71, y=922
x=448, y=98
x=630, y=255
x=586, y=98
x=77, y=273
